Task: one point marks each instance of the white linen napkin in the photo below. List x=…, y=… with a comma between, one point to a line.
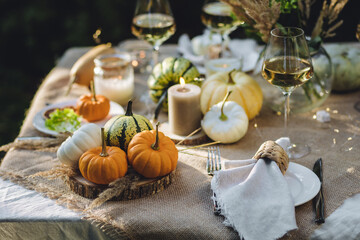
x=245, y=49
x=254, y=198
x=343, y=223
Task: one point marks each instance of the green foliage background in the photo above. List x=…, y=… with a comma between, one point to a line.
x=35, y=33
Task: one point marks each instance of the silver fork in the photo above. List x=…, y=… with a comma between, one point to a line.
x=213, y=161
x=214, y=164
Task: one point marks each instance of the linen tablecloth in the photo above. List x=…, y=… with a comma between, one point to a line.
x=184, y=209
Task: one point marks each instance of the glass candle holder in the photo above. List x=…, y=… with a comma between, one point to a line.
x=114, y=77
x=141, y=54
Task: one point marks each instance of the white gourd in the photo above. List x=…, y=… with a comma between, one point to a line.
x=86, y=137
x=228, y=129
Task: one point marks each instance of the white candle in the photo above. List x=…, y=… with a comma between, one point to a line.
x=184, y=108
x=222, y=65
x=114, y=77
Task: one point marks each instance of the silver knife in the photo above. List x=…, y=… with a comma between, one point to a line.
x=318, y=201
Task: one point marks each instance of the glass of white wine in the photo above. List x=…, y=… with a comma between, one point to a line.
x=287, y=65
x=153, y=22
x=219, y=18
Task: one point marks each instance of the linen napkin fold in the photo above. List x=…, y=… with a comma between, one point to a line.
x=254, y=198
x=245, y=49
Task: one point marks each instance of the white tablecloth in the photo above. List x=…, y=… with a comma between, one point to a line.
x=25, y=214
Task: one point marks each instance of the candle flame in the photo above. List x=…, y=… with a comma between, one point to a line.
x=182, y=82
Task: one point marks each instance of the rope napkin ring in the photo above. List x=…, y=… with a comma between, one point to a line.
x=273, y=151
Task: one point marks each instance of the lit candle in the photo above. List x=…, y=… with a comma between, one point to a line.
x=184, y=108
x=222, y=65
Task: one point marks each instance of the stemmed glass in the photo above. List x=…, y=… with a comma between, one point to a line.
x=153, y=22
x=218, y=17
x=287, y=65
x=357, y=34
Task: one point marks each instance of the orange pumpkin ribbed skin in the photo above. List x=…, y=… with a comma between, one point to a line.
x=149, y=162
x=92, y=110
x=103, y=170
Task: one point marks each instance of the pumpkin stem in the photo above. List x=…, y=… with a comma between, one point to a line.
x=103, y=146
x=129, y=109
x=231, y=80
x=92, y=89
x=159, y=105
x=155, y=145
x=223, y=117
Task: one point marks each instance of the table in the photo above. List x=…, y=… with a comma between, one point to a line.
x=184, y=210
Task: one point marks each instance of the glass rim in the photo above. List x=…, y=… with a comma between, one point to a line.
x=124, y=56
x=298, y=34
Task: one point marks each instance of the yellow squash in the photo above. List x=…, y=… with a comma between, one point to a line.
x=245, y=91
x=82, y=72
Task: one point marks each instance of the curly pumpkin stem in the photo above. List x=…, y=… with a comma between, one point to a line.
x=155, y=145
x=231, y=80
x=223, y=117
x=92, y=89
x=129, y=109
x=103, y=146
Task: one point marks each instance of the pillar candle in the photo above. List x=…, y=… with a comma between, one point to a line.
x=184, y=108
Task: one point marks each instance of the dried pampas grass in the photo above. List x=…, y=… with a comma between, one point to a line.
x=257, y=13
x=326, y=23
x=261, y=16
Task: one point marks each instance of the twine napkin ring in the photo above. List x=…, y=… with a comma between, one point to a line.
x=273, y=151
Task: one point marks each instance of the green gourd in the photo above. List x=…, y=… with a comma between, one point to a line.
x=119, y=130
x=166, y=74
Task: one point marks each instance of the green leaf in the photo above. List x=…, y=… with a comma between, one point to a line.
x=233, y=16
x=286, y=6
x=62, y=120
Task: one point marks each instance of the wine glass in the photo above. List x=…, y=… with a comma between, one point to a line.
x=357, y=34
x=287, y=65
x=154, y=23
x=218, y=17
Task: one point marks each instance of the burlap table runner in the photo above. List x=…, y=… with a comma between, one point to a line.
x=184, y=209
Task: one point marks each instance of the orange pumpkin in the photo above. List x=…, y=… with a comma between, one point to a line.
x=152, y=154
x=102, y=165
x=93, y=107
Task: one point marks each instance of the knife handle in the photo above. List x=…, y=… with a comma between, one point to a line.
x=319, y=208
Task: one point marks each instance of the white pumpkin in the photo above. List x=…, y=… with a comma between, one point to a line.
x=86, y=137
x=226, y=122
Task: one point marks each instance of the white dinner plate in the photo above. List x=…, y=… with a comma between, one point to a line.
x=303, y=183
x=39, y=120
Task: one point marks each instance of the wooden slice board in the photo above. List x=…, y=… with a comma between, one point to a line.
x=196, y=139
x=144, y=187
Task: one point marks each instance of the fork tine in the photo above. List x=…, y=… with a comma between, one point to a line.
x=208, y=162
x=213, y=160
x=219, y=159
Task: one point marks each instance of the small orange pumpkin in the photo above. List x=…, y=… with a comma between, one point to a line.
x=152, y=154
x=93, y=107
x=102, y=165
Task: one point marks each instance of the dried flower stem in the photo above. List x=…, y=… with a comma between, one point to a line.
x=326, y=24
x=257, y=14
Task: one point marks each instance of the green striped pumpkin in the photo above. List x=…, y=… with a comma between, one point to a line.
x=119, y=130
x=168, y=73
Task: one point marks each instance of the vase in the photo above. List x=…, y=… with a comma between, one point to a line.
x=306, y=97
